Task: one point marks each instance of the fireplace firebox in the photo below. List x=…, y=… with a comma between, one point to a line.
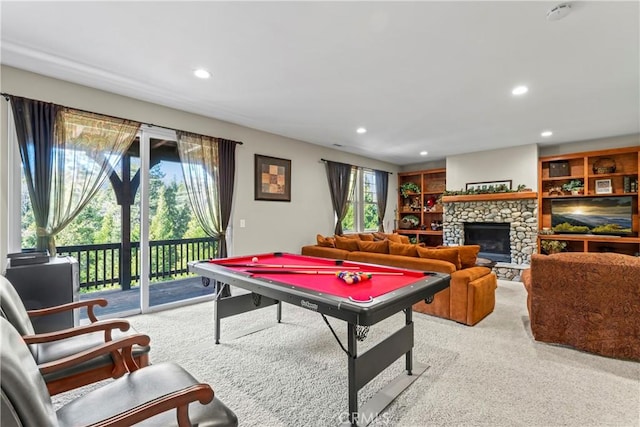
x=493, y=238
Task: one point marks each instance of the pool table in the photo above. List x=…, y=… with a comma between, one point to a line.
x=312, y=283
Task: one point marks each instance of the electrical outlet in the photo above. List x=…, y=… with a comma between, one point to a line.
x=242, y=223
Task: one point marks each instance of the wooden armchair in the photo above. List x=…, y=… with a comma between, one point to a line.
x=50, y=346
x=160, y=395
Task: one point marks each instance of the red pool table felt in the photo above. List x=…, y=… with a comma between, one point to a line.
x=379, y=284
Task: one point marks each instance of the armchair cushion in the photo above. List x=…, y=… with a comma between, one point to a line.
x=139, y=387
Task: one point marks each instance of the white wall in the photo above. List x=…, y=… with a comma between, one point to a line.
x=519, y=164
x=435, y=164
x=591, y=145
x=270, y=226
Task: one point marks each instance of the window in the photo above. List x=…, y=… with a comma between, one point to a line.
x=362, y=210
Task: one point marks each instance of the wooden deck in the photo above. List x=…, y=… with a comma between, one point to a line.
x=159, y=293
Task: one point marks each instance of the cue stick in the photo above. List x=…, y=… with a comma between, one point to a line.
x=257, y=271
x=334, y=267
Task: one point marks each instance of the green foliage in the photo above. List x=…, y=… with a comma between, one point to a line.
x=414, y=220
x=194, y=230
x=170, y=220
x=552, y=246
x=155, y=187
x=85, y=229
x=99, y=222
x=349, y=222
x=610, y=229
x=574, y=184
x=110, y=229
x=491, y=189
x=371, y=217
x=568, y=228
x=28, y=223
x=408, y=188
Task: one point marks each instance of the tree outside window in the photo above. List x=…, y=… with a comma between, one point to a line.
x=362, y=210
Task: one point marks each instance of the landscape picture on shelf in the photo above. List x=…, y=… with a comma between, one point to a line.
x=603, y=186
x=596, y=215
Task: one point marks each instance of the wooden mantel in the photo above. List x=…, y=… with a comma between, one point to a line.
x=519, y=195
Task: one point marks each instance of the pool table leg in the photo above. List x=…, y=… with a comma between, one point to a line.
x=216, y=318
x=279, y=312
x=353, y=388
x=408, y=316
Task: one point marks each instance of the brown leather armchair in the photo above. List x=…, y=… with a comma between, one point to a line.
x=590, y=301
x=160, y=395
x=50, y=346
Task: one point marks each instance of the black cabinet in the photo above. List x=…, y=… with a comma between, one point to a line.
x=44, y=285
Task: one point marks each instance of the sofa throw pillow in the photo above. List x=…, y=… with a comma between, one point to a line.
x=353, y=236
x=450, y=255
x=398, y=238
x=325, y=242
x=379, y=236
x=402, y=249
x=381, y=247
x=468, y=254
x=367, y=237
x=346, y=243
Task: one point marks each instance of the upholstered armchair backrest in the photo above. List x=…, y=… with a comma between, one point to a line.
x=590, y=301
x=25, y=398
x=12, y=308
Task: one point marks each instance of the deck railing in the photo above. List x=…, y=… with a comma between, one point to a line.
x=99, y=265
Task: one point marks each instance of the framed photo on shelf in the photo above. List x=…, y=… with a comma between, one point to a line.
x=603, y=186
x=272, y=178
x=479, y=186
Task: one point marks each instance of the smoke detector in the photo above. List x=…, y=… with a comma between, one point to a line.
x=558, y=12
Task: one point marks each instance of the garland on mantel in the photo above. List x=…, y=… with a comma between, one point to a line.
x=502, y=188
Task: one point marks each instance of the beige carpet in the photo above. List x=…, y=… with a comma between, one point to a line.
x=492, y=374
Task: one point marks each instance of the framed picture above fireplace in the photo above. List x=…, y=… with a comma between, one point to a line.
x=487, y=186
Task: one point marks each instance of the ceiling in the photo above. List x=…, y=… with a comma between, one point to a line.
x=434, y=76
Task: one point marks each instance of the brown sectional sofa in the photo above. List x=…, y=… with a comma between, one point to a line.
x=469, y=298
x=589, y=301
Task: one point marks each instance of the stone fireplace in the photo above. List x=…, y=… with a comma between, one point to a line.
x=512, y=209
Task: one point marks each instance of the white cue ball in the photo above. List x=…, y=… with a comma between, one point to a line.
x=254, y=259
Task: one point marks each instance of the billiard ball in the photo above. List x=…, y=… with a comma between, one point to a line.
x=254, y=259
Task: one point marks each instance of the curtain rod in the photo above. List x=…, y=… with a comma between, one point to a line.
x=360, y=167
x=7, y=95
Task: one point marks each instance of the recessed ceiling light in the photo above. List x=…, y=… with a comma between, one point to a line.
x=202, y=73
x=546, y=134
x=361, y=130
x=520, y=90
x=558, y=12
x=424, y=153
